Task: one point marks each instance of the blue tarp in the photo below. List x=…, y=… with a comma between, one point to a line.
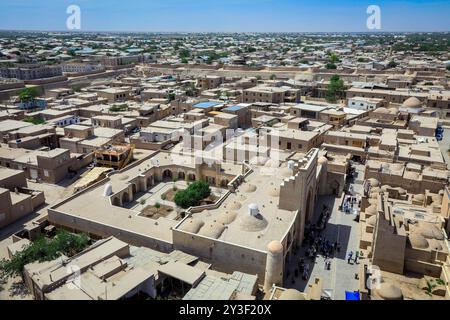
x=352, y=295
x=207, y=104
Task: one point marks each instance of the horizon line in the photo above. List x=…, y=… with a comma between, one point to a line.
x=218, y=32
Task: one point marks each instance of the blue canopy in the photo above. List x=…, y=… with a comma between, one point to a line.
x=352, y=295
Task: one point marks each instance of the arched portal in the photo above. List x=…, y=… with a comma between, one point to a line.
x=116, y=202
x=167, y=174
x=125, y=197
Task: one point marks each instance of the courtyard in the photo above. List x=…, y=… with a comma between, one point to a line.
x=158, y=201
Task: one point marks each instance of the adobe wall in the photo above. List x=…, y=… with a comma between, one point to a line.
x=225, y=257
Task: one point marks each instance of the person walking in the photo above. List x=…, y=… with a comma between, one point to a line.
x=350, y=256
x=356, y=257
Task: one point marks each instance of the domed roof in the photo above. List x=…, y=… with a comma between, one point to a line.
x=212, y=230
x=402, y=191
x=381, y=110
x=235, y=206
x=435, y=244
x=242, y=198
x=227, y=217
x=375, y=189
x=372, y=209
x=385, y=188
x=260, y=161
x=372, y=221
x=271, y=163
x=274, y=192
x=393, y=110
x=412, y=103
x=192, y=225
x=286, y=172
x=253, y=224
x=373, y=182
x=291, y=294
x=437, y=199
x=249, y=188
x=419, y=197
x=388, y=291
x=418, y=241
x=430, y=231
x=275, y=247
x=123, y=177
x=322, y=161
x=374, y=195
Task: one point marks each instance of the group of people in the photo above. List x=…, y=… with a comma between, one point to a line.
x=324, y=217
x=350, y=203
x=317, y=244
x=353, y=257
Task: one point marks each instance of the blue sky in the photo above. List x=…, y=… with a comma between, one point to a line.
x=226, y=15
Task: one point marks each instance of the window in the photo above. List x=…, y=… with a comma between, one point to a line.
x=46, y=173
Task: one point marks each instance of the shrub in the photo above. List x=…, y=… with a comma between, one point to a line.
x=33, y=120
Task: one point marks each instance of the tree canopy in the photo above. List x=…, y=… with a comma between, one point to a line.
x=334, y=88
x=44, y=249
x=392, y=64
x=28, y=94
x=193, y=195
x=33, y=120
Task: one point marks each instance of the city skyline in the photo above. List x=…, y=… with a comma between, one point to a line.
x=226, y=16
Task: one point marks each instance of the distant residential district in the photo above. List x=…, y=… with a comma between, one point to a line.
x=224, y=166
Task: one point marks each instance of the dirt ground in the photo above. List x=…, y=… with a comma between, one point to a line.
x=156, y=213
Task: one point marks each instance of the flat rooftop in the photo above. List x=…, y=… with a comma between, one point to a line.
x=206, y=105
x=261, y=187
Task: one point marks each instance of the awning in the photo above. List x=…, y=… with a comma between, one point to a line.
x=352, y=295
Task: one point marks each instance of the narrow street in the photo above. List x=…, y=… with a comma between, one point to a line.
x=342, y=228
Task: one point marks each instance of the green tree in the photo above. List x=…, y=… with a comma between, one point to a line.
x=33, y=120
x=171, y=96
x=334, y=58
x=330, y=65
x=44, y=249
x=273, y=77
x=335, y=87
x=119, y=108
x=448, y=67
x=28, y=94
x=193, y=195
x=184, y=53
x=392, y=64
